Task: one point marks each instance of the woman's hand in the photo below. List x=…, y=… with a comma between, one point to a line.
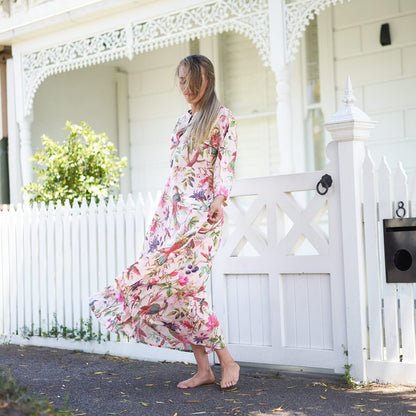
x=215, y=212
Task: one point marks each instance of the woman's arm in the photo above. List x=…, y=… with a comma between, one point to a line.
x=224, y=167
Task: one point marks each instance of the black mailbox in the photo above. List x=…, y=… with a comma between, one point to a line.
x=400, y=250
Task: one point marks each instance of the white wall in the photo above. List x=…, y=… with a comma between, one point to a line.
x=384, y=78
x=155, y=103
x=84, y=95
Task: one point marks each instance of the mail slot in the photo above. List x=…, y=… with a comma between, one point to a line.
x=400, y=250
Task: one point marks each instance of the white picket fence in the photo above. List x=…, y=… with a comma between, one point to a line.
x=54, y=258
x=391, y=306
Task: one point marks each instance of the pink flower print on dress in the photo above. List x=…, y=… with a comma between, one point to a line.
x=222, y=190
x=214, y=140
x=120, y=297
x=212, y=322
x=183, y=280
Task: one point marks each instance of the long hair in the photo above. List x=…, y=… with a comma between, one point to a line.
x=202, y=122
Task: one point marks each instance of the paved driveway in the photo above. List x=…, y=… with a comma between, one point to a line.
x=100, y=385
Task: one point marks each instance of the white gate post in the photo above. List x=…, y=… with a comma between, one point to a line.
x=349, y=128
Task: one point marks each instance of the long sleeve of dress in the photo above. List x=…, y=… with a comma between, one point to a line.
x=224, y=168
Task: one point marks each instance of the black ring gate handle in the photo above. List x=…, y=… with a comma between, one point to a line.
x=324, y=184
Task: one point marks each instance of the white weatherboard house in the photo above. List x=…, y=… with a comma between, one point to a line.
x=281, y=68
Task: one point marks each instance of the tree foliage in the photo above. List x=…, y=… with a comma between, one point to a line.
x=86, y=165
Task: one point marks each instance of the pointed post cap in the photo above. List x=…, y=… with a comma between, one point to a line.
x=349, y=97
x=350, y=122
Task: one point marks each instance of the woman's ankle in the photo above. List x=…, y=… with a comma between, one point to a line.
x=224, y=356
x=205, y=370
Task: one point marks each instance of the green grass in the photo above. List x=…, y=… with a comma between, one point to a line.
x=17, y=400
x=82, y=332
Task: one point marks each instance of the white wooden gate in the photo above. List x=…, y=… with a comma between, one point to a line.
x=278, y=286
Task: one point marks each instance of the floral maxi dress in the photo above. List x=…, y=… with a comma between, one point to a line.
x=161, y=299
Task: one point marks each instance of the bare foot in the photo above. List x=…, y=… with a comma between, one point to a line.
x=230, y=374
x=206, y=377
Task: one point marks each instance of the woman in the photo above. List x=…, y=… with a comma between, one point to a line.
x=161, y=299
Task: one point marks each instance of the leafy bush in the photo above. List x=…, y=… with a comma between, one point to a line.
x=84, y=165
x=17, y=400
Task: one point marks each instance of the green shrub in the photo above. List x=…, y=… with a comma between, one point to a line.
x=84, y=165
x=17, y=400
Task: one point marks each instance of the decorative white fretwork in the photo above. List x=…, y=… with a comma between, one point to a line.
x=4, y=8
x=298, y=14
x=248, y=17
x=39, y=65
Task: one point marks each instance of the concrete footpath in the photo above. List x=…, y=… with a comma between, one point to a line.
x=98, y=385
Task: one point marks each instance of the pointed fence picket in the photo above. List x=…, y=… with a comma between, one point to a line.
x=391, y=306
x=111, y=247
x=405, y=291
x=391, y=325
x=34, y=280
x=373, y=261
x=120, y=231
x=43, y=282
x=18, y=276
x=75, y=281
x=84, y=258
x=26, y=278
x=10, y=252
x=50, y=275
x=67, y=266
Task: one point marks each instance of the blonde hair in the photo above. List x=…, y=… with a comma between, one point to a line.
x=202, y=122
